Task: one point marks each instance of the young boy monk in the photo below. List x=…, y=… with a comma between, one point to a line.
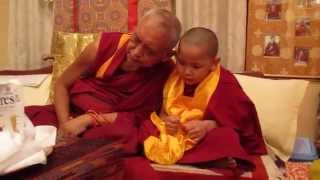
x=206, y=117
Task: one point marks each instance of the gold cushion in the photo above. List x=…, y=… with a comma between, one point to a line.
x=66, y=47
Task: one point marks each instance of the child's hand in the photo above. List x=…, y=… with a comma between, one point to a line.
x=74, y=126
x=197, y=129
x=172, y=124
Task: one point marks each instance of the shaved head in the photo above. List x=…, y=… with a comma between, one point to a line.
x=165, y=22
x=201, y=37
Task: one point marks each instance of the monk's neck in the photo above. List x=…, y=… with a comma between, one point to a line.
x=189, y=90
x=126, y=67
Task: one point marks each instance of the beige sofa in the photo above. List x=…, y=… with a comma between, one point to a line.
x=274, y=100
x=286, y=108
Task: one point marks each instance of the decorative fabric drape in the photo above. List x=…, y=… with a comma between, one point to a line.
x=102, y=15
x=30, y=33
x=225, y=17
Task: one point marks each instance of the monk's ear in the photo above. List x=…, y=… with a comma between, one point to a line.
x=169, y=55
x=216, y=60
x=172, y=53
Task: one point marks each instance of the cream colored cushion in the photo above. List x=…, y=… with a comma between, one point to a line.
x=37, y=95
x=66, y=47
x=277, y=103
x=308, y=125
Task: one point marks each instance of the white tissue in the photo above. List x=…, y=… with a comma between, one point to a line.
x=26, y=150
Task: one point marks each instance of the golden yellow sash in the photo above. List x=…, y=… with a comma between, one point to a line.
x=123, y=39
x=169, y=149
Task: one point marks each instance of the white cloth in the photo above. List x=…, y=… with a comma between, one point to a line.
x=27, y=146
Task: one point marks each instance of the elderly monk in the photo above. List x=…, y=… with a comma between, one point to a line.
x=115, y=83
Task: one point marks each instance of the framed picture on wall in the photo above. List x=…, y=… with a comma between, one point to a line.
x=303, y=26
x=272, y=46
x=301, y=56
x=283, y=38
x=273, y=10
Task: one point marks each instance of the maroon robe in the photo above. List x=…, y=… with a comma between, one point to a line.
x=133, y=95
x=238, y=134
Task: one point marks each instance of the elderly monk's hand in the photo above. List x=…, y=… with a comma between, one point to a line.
x=74, y=126
x=197, y=129
x=172, y=123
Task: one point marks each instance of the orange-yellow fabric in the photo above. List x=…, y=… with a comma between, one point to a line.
x=168, y=149
x=123, y=40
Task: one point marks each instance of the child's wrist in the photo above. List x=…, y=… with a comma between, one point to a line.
x=88, y=121
x=210, y=125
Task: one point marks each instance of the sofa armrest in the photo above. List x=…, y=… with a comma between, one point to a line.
x=44, y=70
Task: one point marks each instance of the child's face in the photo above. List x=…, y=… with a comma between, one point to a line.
x=193, y=63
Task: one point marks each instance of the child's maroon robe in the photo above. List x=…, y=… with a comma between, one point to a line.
x=238, y=134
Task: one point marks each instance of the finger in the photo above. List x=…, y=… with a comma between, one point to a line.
x=171, y=133
x=195, y=135
x=59, y=137
x=171, y=130
x=171, y=125
x=173, y=121
x=193, y=130
x=196, y=140
x=60, y=133
x=67, y=134
x=190, y=125
x=187, y=127
x=173, y=118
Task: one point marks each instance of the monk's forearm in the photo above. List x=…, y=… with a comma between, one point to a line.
x=61, y=103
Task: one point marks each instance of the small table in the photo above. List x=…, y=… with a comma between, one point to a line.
x=78, y=159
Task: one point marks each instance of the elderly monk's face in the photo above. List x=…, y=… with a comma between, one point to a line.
x=193, y=63
x=148, y=45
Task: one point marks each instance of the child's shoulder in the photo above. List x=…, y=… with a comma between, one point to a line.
x=227, y=77
x=230, y=86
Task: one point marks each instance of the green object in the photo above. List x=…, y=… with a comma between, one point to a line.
x=314, y=173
